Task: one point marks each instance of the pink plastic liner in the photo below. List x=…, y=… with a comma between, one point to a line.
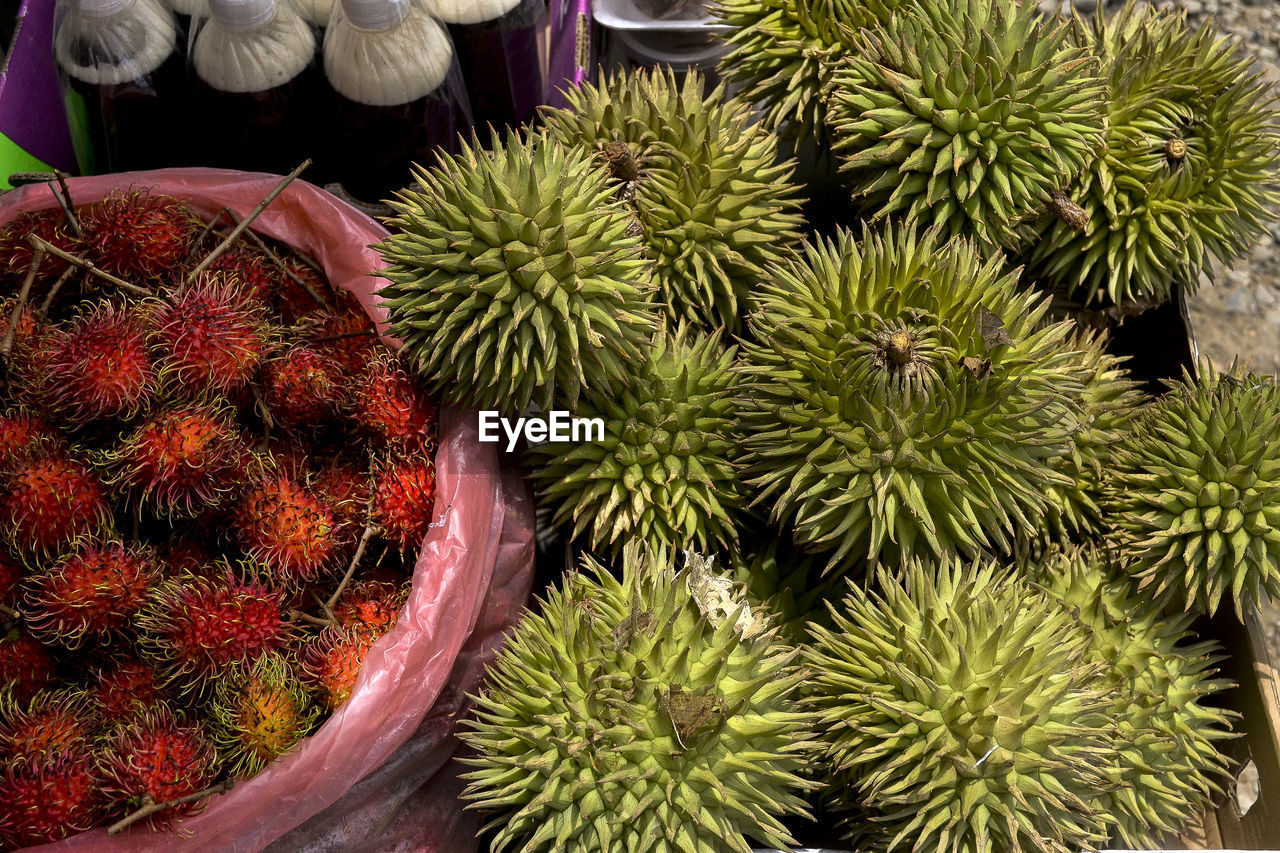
x=482, y=528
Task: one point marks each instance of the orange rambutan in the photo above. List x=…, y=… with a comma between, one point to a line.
x=92, y=594
x=403, y=499
x=289, y=529
x=302, y=388
x=388, y=406
x=48, y=502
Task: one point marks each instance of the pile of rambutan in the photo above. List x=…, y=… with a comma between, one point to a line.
x=214, y=482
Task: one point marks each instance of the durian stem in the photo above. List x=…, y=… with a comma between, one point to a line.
x=247, y=221
x=300, y=616
x=68, y=206
x=253, y=235
x=37, y=258
x=152, y=808
x=88, y=266
x=53, y=291
x=369, y=530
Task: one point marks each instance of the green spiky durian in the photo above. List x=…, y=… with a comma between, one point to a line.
x=662, y=472
x=1195, y=492
x=513, y=280
x=902, y=397
x=258, y=712
x=1168, y=739
x=788, y=586
x=1191, y=171
x=714, y=203
x=961, y=710
x=1110, y=403
x=648, y=715
x=783, y=53
x=968, y=114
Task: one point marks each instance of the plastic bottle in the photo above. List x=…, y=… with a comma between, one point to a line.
x=258, y=92
x=497, y=44
x=397, y=93
x=125, y=78
x=316, y=12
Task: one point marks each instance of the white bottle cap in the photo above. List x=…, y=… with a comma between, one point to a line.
x=240, y=15
x=103, y=8
x=375, y=14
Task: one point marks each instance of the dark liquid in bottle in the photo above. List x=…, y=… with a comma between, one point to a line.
x=499, y=60
x=137, y=124
x=269, y=131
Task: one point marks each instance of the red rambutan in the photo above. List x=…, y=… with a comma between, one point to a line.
x=49, y=501
x=180, y=555
x=23, y=436
x=331, y=662
x=181, y=461
x=16, y=250
x=91, y=594
x=135, y=235
x=211, y=336
x=292, y=299
x=345, y=335
x=100, y=365
x=195, y=627
x=388, y=406
x=52, y=721
x=26, y=667
x=403, y=498
x=346, y=488
x=47, y=798
x=125, y=688
x=371, y=605
x=288, y=529
x=155, y=758
x=259, y=712
x=256, y=273
x=302, y=387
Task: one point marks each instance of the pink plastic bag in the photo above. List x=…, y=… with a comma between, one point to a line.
x=471, y=578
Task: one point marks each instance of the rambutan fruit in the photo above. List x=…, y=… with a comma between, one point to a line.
x=259, y=711
x=195, y=627
x=388, y=406
x=23, y=436
x=100, y=365
x=371, y=605
x=346, y=488
x=51, y=721
x=49, y=797
x=91, y=594
x=136, y=235
x=346, y=335
x=153, y=758
x=184, y=555
x=255, y=272
x=26, y=667
x=403, y=498
x=49, y=501
x=181, y=460
x=288, y=529
x=211, y=335
x=331, y=662
x=292, y=299
x=302, y=387
x=124, y=688
x=16, y=250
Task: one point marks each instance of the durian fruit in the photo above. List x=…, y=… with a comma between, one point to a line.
x=714, y=203
x=662, y=473
x=513, y=279
x=962, y=711
x=649, y=715
x=787, y=585
x=967, y=114
x=1195, y=492
x=1109, y=405
x=1191, y=172
x=1168, y=736
x=783, y=53
x=902, y=398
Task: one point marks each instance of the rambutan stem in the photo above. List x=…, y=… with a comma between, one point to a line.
x=299, y=616
x=152, y=808
x=208, y=226
x=53, y=291
x=88, y=266
x=247, y=221
x=253, y=235
x=369, y=530
x=37, y=258
x=64, y=199
x=9, y=613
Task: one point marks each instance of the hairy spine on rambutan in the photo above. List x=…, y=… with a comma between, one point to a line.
x=346, y=335
x=23, y=436
x=182, y=460
x=26, y=667
x=91, y=594
x=16, y=250
x=292, y=299
x=100, y=365
x=195, y=627
x=254, y=270
x=10, y=577
x=51, y=721
x=371, y=604
x=346, y=487
x=46, y=503
x=302, y=388
x=153, y=758
x=124, y=688
x=289, y=529
x=211, y=336
x=388, y=406
x=49, y=797
x=135, y=235
x=403, y=499
x=258, y=712
x=331, y=662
